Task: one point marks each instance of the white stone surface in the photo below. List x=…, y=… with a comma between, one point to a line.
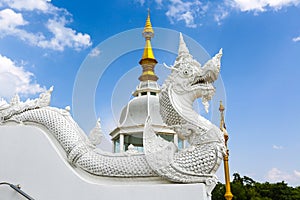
x=28, y=158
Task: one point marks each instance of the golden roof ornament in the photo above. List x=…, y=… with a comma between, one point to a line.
x=148, y=60
x=148, y=30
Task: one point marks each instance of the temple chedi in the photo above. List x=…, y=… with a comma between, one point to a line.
x=129, y=133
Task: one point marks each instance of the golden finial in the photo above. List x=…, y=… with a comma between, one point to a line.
x=148, y=60
x=228, y=195
x=148, y=30
x=221, y=108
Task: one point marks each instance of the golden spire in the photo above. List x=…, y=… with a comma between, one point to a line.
x=148, y=27
x=148, y=60
x=228, y=195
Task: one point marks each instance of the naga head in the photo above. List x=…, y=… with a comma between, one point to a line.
x=191, y=79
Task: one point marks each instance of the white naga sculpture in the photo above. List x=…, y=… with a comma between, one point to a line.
x=195, y=164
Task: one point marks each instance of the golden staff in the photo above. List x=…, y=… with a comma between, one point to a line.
x=228, y=195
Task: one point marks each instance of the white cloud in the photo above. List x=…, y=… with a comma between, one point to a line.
x=183, y=11
x=276, y=175
x=159, y=2
x=64, y=37
x=95, y=52
x=297, y=173
x=11, y=23
x=296, y=39
x=278, y=4
x=221, y=13
x=142, y=2
x=192, y=11
x=30, y=5
x=246, y=5
x=15, y=79
x=9, y=20
x=277, y=147
x=189, y=19
x=263, y=5
x=57, y=35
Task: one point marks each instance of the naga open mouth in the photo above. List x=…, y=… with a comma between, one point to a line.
x=199, y=81
x=202, y=80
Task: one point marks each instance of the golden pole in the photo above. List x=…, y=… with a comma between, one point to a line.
x=228, y=195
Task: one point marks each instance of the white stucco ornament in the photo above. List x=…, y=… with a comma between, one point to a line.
x=195, y=164
x=96, y=134
x=132, y=149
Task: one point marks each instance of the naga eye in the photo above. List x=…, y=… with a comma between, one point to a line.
x=186, y=72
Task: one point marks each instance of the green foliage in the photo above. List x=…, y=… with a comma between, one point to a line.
x=245, y=188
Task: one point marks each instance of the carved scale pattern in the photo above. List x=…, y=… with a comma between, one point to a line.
x=123, y=166
x=80, y=151
x=167, y=111
x=201, y=159
x=197, y=163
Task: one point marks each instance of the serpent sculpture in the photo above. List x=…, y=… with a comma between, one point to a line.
x=196, y=163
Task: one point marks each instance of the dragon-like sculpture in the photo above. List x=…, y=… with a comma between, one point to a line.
x=196, y=163
x=187, y=82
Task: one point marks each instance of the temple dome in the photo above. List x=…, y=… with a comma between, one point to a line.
x=137, y=110
x=132, y=121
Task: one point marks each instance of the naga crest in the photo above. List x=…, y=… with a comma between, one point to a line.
x=190, y=78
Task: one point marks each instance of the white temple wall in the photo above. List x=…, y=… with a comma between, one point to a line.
x=29, y=159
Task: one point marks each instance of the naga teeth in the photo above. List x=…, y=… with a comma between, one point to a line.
x=205, y=80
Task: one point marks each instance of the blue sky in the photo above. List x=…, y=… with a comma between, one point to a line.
x=44, y=43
